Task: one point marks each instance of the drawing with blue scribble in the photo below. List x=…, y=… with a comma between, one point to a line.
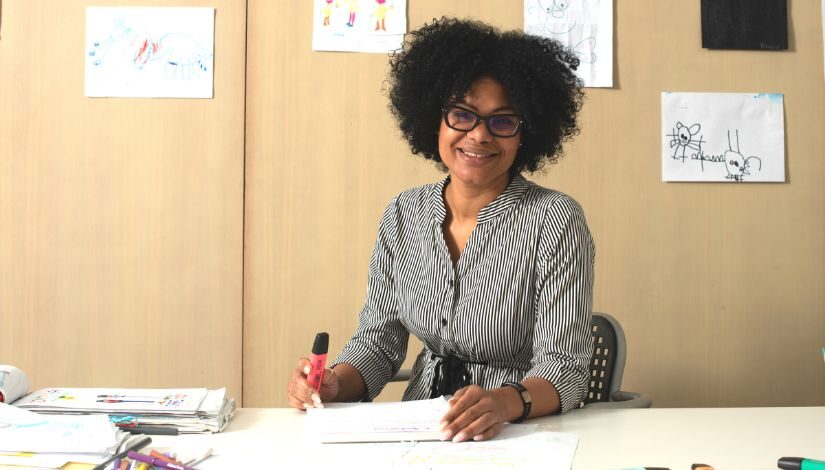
x=179, y=55
x=149, y=52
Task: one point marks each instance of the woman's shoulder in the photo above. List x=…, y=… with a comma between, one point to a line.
x=419, y=198
x=550, y=201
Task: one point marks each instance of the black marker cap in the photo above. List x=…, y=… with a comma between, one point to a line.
x=321, y=344
x=790, y=463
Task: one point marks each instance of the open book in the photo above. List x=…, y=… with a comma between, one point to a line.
x=377, y=422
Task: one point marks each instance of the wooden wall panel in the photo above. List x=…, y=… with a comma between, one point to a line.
x=121, y=240
x=719, y=286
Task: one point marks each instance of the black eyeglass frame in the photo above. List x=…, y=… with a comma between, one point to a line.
x=446, y=110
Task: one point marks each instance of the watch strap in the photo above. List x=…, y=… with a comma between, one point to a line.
x=525, y=399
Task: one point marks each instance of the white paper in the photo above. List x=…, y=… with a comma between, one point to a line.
x=586, y=26
x=725, y=137
x=517, y=446
x=358, y=25
x=149, y=52
x=24, y=431
x=115, y=400
x=377, y=422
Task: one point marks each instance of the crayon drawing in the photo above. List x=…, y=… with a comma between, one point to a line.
x=725, y=137
x=149, y=52
x=585, y=26
x=358, y=25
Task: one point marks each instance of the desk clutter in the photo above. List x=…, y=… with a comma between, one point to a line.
x=51, y=427
x=146, y=411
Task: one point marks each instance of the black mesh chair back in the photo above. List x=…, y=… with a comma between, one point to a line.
x=603, y=368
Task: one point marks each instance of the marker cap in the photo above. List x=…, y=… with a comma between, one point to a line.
x=790, y=463
x=798, y=463
x=321, y=344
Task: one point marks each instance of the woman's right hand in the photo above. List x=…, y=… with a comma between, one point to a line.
x=300, y=393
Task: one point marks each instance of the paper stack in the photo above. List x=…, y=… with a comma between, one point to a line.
x=417, y=420
x=188, y=410
x=32, y=440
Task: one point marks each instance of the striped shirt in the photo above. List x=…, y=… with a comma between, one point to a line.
x=517, y=304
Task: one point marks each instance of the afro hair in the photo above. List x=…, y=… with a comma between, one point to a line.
x=441, y=60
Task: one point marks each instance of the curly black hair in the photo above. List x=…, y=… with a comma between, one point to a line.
x=441, y=60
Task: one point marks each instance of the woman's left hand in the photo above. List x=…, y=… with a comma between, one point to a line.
x=475, y=413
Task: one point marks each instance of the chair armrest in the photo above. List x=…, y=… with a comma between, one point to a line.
x=622, y=399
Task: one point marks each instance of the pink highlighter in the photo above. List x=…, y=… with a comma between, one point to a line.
x=318, y=360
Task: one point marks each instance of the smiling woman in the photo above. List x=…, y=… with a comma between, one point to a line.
x=491, y=272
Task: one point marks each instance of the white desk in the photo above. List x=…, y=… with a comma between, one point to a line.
x=727, y=438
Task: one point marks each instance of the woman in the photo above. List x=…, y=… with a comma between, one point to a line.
x=490, y=271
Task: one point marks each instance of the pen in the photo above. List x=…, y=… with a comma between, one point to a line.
x=137, y=445
x=318, y=360
x=159, y=430
x=798, y=463
x=156, y=462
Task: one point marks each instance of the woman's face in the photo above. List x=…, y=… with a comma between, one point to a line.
x=477, y=158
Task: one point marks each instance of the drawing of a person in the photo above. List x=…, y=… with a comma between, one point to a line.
x=353, y=9
x=327, y=11
x=380, y=14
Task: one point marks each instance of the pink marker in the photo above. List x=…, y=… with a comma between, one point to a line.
x=318, y=360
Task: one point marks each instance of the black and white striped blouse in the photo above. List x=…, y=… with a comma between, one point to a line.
x=517, y=303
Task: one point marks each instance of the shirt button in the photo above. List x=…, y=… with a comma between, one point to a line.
x=443, y=322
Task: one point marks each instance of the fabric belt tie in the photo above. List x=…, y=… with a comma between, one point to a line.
x=450, y=375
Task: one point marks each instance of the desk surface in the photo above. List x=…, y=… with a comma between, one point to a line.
x=727, y=438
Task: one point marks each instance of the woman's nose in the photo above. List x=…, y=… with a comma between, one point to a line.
x=480, y=133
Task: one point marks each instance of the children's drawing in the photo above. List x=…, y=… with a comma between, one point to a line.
x=380, y=14
x=556, y=8
x=737, y=165
x=359, y=25
x=683, y=138
x=585, y=26
x=706, y=135
x=149, y=52
x=326, y=11
x=352, y=11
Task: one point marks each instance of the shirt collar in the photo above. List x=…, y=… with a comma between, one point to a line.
x=511, y=195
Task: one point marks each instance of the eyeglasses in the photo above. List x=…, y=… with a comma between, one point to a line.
x=500, y=125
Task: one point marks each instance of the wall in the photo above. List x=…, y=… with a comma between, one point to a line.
x=718, y=286
x=122, y=219
x=139, y=248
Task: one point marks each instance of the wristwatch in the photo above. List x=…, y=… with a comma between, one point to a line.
x=525, y=399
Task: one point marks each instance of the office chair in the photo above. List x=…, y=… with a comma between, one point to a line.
x=606, y=368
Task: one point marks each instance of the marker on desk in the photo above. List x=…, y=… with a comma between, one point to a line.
x=318, y=360
x=798, y=463
x=140, y=429
x=156, y=462
x=137, y=445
